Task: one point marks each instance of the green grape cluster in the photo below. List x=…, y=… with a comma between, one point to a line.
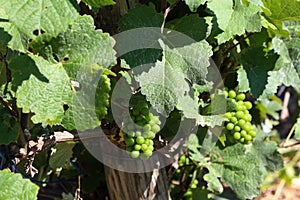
x=139, y=135
x=239, y=124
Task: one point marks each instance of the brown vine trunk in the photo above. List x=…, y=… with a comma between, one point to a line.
x=129, y=186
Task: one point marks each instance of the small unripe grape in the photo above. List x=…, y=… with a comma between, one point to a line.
x=248, y=105
x=228, y=115
x=252, y=133
x=240, y=108
x=135, y=154
x=239, y=114
x=243, y=133
x=151, y=148
x=137, y=147
x=138, y=133
x=248, y=138
x=144, y=147
x=231, y=94
x=148, y=153
x=155, y=128
x=233, y=119
x=241, y=122
x=237, y=128
x=225, y=93
x=129, y=141
x=240, y=97
x=236, y=135
x=140, y=140
x=229, y=126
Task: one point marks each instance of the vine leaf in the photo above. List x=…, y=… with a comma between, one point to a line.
x=287, y=65
x=243, y=80
x=257, y=66
x=42, y=88
x=61, y=153
x=99, y=3
x=241, y=170
x=166, y=82
x=194, y=4
x=16, y=187
x=281, y=10
x=243, y=19
x=36, y=17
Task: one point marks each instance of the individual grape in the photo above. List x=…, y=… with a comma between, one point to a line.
x=144, y=147
x=248, y=105
x=228, y=115
x=233, y=119
x=140, y=140
x=137, y=147
x=135, y=154
x=129, y=141
x=248, y=138
x=240, y=97
x=241, y=122
x=237, y=128
x=231, y=94
x=229, y=126
x=239, y=114
x=148, y=152
x=236, y=135
x=252, y=133
x=243, y=133
x=155, y=128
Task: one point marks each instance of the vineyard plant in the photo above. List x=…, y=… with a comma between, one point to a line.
x=148, y=99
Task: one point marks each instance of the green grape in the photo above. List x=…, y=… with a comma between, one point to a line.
x=147, y=127
x=151, y=135
x=129, y=141
x=252, y=133
x=229, y=126
x=231, y=94
x=233, y=119
x=138, y=133
x=225, y=93
x=248, y=138
x=241, y=122
x=237, y=128
x=148, y=153
x=140, y=140
x=240, y=97
x=243, y=133
x=240, y=107
x=144, y=147
x=247, y=127
x=151, y=148
x=137, y=147
x=228, y=115
x=248, y=105
x=239, y=114
x=135, y=154
x=155, y=128
x=236, y=135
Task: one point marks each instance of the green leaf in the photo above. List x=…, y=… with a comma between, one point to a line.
x=79, y=46
x=213, y=183
x=223, y=11
x=36, y=17
x=141, y=16
x=184, y=24
x=9, y=35
x=190, y=108
x=8, y=127
x=165, y=83
x=268, y=154
x=240, y=170
x=15, y=187
x=99, y=3
x=297, y=130
x=41, y=88
x=194, y=4
x=281, y=10
x=243, y=80
x=61, y=153
x=89, y=104
x=257, y=65
x=243, y=19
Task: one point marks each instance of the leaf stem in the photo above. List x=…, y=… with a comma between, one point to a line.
x=289, y=135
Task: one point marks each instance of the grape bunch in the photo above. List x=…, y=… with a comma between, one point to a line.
x=238, y=128
x=138, y=136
